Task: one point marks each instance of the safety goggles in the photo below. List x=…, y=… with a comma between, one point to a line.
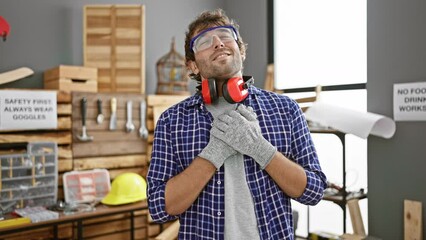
x=204, y=39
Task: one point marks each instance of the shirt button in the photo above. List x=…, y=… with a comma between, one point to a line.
x=219, y=213
x=219, y=182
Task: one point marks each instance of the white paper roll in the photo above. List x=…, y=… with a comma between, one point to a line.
x=351, y=121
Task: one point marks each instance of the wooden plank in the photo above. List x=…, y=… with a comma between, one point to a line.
x=71, y=72
x=141, y=219
x=72, y=85
x=64, y=152
x=64, y=232
x=92, y=149
x=143, y=52
x=99, y=31
x=129, y=22
x=111, y=227
x=171, y=232
x=98, y=21
x=165, y=100
x=128, y=33
x=130, y=89
x=98, y=50
x=65, y=165
x=413, y=223
x=110, y=162
x=128, y=56
x=115, y=172
x=356, y=217
x=64, y=109
x=97, y=10
x=64, y=123
x=105, y=136
x=13, y=75
x=123, y=10
x=60, y=137
x=128, y=64
x=138, y=234
x=63, y=96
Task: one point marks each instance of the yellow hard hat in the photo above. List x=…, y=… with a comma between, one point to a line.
x=126, y=188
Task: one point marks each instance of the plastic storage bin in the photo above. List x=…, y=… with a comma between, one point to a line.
x=86, y=186
x=29, y=179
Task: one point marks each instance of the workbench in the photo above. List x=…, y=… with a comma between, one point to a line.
x=82, y=220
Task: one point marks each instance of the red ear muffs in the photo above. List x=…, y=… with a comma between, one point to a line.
x=235, y=90
x=209, y=90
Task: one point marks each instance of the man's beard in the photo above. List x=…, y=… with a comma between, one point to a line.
x=223, y=71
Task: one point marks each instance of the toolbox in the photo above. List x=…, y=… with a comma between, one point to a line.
x=30, y=178
x=86, y=186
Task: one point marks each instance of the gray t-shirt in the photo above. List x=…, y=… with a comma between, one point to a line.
x=240, y=217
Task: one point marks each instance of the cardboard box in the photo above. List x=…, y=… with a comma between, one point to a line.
x=71, y=78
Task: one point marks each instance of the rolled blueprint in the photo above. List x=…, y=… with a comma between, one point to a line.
x=351, y=121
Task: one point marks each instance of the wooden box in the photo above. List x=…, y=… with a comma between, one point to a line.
x=71, y=78
x=114, y=42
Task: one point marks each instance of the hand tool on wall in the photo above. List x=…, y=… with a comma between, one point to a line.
x=143, y=131
x=100, y=117
x=84, y=137
x=129, y=125
x=113, y=119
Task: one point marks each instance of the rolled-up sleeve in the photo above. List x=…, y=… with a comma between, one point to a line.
x=305, y=155
x=161, y=169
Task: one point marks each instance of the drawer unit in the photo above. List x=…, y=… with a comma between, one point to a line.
x=30, y=178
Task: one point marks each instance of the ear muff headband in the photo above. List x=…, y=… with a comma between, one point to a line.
x=209, y=90
x=234, y=90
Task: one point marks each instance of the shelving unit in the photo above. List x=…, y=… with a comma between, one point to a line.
x=343, y=196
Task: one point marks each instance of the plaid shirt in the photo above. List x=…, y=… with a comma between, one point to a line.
x=183, y=131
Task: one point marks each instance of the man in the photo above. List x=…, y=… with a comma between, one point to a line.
x=227, y=160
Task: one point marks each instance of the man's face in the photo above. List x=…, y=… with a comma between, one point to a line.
x=220, y=57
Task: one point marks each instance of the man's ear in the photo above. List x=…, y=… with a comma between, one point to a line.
x=243, y=57
x=193, y=67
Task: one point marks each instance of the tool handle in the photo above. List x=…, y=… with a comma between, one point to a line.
x=83, y=110
x=129, y=111
x=113, y=104
x=99, y=106
x=143, y=112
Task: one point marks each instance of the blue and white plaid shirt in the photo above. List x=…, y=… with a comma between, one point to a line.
x=182, y=132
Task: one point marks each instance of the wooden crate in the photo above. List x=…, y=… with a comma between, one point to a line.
x=114, y=42
x=71, y=78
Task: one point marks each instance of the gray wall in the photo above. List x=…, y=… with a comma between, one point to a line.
x=46, y=33
x=251, y=15
x=396, y=167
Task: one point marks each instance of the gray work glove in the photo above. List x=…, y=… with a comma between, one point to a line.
x=240, y=129
x=217, y=151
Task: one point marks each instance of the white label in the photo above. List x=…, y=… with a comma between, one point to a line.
x=409, y=101
x=21, y=110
